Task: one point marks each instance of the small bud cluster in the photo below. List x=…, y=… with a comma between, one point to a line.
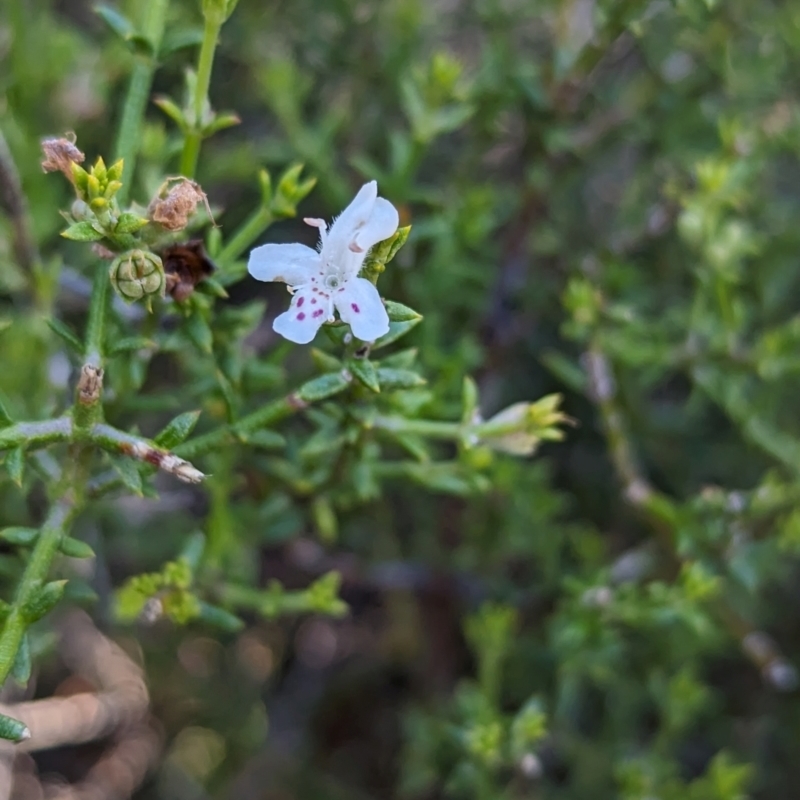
x=129, y=240
x=520, y=428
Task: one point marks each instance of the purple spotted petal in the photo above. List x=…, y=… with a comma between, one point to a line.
x=303, y=319
x=360, y=306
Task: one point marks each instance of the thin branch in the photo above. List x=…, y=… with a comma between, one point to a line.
x=31, y=584
x=62, y=429
x=662, y=512
x=13, y=202
x=144, y=450
x=36, y=434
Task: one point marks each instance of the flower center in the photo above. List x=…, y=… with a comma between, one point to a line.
x=333, y=281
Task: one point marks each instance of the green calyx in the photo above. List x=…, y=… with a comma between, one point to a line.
x=137, y=274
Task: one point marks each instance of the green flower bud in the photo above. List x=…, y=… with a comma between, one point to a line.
x=80, y=211
x=137, y=274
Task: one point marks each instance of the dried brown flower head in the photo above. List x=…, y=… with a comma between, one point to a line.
x=173, y=205
x=60, y=154
x=90, y=384
x=185, y=265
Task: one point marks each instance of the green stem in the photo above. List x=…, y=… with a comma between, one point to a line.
x=246, y=234
x=53, y=531
x=662, y=511
x=191, y=145
x=220, y=527
x=116, y=441
x=431, y=429
x=129, y=135
x=269, y=602
x=96, y=324
x=229, y=434
x=35, y=434
x=726, y=311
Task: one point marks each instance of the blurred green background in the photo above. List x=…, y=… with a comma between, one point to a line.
x=604, y=200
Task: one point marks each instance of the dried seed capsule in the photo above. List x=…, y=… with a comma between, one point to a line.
x=137, y=274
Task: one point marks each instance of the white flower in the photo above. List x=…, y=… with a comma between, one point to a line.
x=328, y=279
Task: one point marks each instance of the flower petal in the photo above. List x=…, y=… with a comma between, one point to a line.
x=290, y=263
x=360, y=306
x=357, y=213
x=303, y=319
x=336, y=247
x=381, y=224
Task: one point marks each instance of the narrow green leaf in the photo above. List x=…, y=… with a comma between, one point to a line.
x=114, y=172
x=43, y=600
x=130, y=344
x=178, y=430
x=15, y=464
x=385, y=251
x=220, y=123
x=415, y=446
x=141, y=45
x=192, y=552
x=213, y=288
x=565, y=369
x=229, y=394
x=199, y=332
x=469, y=399
x=399, y=313
x=396, y=331
x=65, y=333
x=82, y=232
x=5, y=418
x=129, y=223
x=13, y=730
x=397, y=241
x=220, y=618
x=366, y=373
x=178, y=38
x=323, y=361
x=321, y=444
x=118, y=23
x=337, y=333
x=266, y=440
x=128, y=470
x=21, y=537
x=324, y=386
x=325, y=519
x=75, y=548
x=80, y=592
x=173, y=111
x=399, y=378
x=21, y=669
x=404, y=359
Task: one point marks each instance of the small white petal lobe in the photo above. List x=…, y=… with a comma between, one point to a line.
x=381, y=224
x=290, y=263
